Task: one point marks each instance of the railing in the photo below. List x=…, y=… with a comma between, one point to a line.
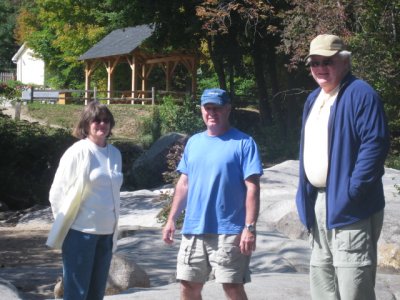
x=84, y=96
x=6, y=76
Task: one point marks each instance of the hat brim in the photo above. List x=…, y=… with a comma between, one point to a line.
x=212, y=102
x=321, y=52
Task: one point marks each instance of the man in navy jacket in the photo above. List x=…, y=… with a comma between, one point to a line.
x=344, y=143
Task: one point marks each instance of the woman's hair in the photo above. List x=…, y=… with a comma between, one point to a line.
x=94, y=110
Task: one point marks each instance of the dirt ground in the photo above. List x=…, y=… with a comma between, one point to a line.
x=27, y=263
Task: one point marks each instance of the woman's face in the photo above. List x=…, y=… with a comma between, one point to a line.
x=99, y=129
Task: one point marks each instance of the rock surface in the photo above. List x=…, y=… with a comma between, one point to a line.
x=279, y=265
x=148, y=168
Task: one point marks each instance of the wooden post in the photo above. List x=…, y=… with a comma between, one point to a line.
x=95, y=93
x=31, y=94
x=88, y=71
x=167, y=76
x=110, y=66
x=144, y=81
x=17, y=111
x=153, y=95
x=134, y=75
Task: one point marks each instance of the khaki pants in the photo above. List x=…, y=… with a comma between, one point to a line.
x=343, y=260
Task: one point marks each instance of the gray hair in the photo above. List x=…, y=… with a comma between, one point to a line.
x=344, y=54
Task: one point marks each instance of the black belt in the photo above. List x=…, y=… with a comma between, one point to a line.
x=321, y=190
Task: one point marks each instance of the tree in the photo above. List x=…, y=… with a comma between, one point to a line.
x=8, y=45
x=375, y=44
x=60, y=31
x=234, y=28
x=369, y=28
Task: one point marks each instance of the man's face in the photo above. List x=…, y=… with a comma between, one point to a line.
x=328, y=72
x=216, y=117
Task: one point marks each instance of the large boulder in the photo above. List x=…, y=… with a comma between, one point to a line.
x=147, y=170
x=124, y=274
x=278, y=210
x=8, y=291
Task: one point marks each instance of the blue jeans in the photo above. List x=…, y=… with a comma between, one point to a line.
x=86, y=262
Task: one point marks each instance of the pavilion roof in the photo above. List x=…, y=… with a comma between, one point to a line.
x=119, y=42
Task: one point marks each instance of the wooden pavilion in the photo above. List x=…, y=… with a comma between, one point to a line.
x=123, y=46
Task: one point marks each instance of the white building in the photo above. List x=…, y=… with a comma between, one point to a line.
x=30, y=69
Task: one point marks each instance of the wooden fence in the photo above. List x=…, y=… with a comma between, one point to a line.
x=6, y=76
x=84, y=96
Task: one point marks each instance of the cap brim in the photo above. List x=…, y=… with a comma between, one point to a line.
x=212, y=102
x=327, y=53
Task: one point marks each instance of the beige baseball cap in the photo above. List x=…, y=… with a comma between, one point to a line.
x=326, y=45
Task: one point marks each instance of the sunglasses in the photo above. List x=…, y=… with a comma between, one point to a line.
x=99, y=120
x=324, y=63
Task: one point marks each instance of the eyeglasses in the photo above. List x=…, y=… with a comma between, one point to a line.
x=324, y=63
x=99, y=120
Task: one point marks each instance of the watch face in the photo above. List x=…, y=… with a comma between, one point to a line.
x=250, y=228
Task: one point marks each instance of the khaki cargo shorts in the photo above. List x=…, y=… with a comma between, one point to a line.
x=212, y=256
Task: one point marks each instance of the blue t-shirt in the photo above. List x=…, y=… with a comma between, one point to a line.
x=216, y=167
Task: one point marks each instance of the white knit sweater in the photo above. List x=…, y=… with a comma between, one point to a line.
x=69, y=186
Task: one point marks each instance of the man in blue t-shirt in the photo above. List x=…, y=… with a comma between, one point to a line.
x=219, y=188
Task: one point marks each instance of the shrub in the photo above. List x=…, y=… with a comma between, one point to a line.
x=129, y=152
x=29, y=158
x=172, y=117
x=173, y=157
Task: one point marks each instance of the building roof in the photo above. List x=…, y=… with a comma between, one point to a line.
x=119, y=42
x=20, y=51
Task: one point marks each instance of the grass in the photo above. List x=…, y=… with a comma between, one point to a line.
x=130, y=120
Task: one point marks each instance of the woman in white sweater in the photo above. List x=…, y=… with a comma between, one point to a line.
x=85, y=201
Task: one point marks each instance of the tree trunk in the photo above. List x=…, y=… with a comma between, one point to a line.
x=276, y=102
x=263, y=103
x=218, y=60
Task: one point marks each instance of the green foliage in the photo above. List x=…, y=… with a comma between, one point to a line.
x=275, y=146
x=206, y=81
x=369, y=28
x=173, y=117
x=173, y=157
x=397, y=188
x=6, y=91
x=393, y=161
x=29, y=157
x=162, y=216
x=8, y=46
x=60, y=31
x=11, y=91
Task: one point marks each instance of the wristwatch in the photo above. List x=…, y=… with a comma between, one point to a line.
x=251, y=228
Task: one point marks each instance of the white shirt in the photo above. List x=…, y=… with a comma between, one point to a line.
x=316, y=139
x=96, y=214
x=70, y=186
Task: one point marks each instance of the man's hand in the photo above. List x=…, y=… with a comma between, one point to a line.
x=168, y=232
x=247, y=242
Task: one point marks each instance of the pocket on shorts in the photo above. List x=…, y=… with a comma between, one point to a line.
x=185, y=251
x=227, y=255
